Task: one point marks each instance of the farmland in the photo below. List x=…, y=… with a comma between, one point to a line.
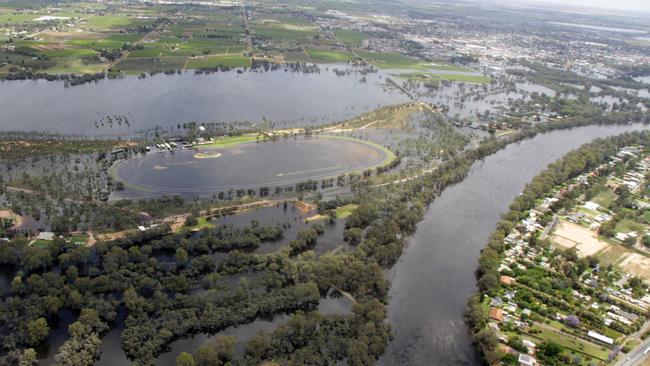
x=90, y=38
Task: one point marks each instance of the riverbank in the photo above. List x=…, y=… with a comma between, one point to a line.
x=545, y=185
x=441, y=256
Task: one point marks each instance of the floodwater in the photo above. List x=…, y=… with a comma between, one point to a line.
x=291, y=218
x=244, y=333
x=271, y=164
x=433, y=279
x=113, y=355
x=170, y=100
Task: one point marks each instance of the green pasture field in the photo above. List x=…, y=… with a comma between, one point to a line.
x=139, y=65
x=68, y=53
x=326, y=55
x=296, y=56
x=278, y=34
x=219, y=60
x=74, y=66
x=115, y=21
x=350, y=37
x=571, y=343
x=114, y=41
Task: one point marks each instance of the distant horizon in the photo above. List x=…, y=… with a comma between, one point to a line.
x=629, y=5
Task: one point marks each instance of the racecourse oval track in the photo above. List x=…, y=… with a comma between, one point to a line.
x=249, y=165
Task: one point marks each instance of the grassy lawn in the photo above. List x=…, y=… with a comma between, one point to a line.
x=223, y=142
x=604, y=198
x=350, y=37
x=78, y=239
x=631, y=344
x=571, y=343
x=611, y=333
x=613, y=254
x=40, y=243
x=588, y=212
x=219, y=60
x=628, y=225
x=203, y=223
x=345, y=211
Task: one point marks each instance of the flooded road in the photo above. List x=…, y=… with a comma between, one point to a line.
x=435, y=275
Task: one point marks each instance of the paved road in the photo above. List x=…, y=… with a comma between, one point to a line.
x=637, y=356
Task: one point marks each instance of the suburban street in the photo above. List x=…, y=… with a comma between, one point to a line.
x=637, y=356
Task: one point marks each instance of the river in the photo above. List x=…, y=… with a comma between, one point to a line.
x=435, y=275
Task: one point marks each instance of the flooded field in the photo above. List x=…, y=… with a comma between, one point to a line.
x=170, y=100
x=251, y=165
x=278, y=99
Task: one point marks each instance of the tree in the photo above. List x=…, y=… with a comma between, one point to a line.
x=646, y=241
x=225, y=346
x=181, y=255
x=191, y=221
x=28, y=358
x=185, y=359
x=37, y=330
x=550, y=349
x=572, y=321
x=206, y=356
x=353, y=235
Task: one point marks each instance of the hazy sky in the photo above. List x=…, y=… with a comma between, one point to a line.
x=643, y=5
